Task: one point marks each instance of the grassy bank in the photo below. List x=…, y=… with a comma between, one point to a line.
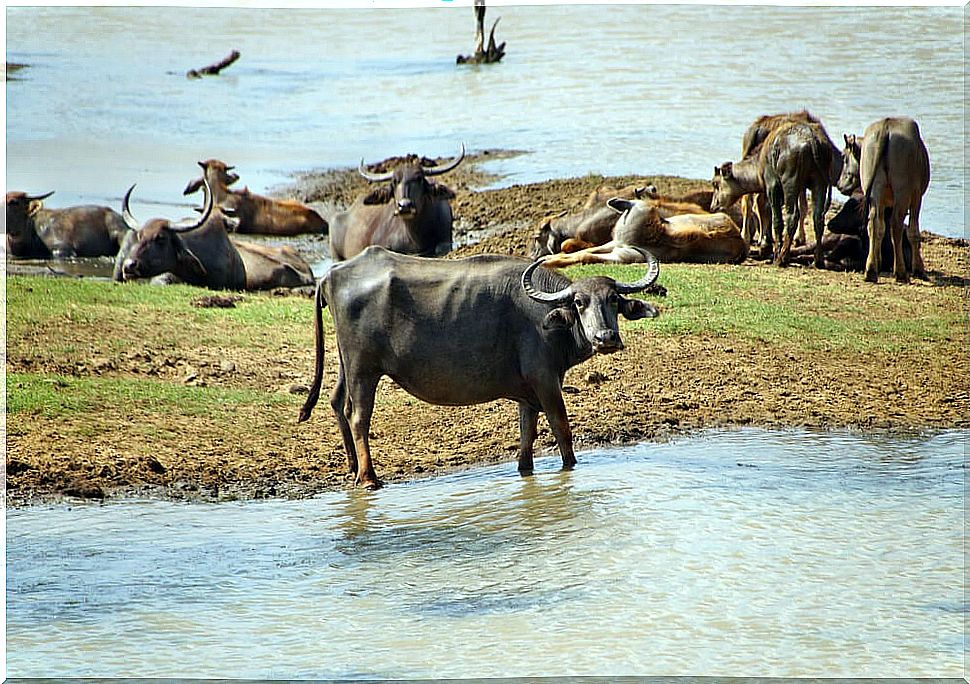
x=125, y=387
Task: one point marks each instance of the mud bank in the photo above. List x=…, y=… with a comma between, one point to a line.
x=656, y=388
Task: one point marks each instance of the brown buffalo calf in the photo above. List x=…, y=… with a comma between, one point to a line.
x=256, y=214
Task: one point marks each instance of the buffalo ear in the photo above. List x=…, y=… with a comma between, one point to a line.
x=34, y=206
x=193, y=186
x=439, y=191
x=382, y=195
x=561, y=318
x=189, y=262
x=633, y=309
x=619, y=205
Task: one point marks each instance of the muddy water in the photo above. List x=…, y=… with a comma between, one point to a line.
x=732, y=553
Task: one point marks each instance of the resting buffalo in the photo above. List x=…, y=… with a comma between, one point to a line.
x=846, y=246
x=256, y=214
x=461, y=332
x=639, y=226
x=202, y=253
x=36, y=232
x=891, y=167
x=593, y=224
x=410, y=214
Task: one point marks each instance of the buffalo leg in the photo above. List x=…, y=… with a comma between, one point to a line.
x=776, y=199
x=819, y=200
x=793, y=211
x=340, y=403
x=800, y=238
x=877, y=229
x=896, y=233
x=555, y=410
x=362, y=409
x=764, y=224
x=528, y=428
x=912, y=232
x=747, y=217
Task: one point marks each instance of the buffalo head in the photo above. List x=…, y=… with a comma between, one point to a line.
x=593, y=305
x=549, y=239
x=158, y=248
x=216, y=173
x=849, y=180
x=21, y=208
x=409, y=186
x=727, y=189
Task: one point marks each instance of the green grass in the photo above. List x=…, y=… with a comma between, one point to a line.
x=813, y=310
x=54, y=396
x=135, y=313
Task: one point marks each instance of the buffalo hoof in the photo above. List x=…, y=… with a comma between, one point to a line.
x=902, y=278
x=370, y=485
x=872, y=276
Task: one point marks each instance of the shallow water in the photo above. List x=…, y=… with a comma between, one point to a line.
x=732, y=553
x=608, y=89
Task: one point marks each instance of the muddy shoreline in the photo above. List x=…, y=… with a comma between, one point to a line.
x=657, y=388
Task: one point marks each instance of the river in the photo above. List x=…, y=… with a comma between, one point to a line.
x=606, y=89
x=732, y=553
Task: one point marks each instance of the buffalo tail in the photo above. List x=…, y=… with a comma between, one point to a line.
x=311, y=400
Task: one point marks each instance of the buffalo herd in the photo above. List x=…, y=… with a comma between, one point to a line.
x=475, y=329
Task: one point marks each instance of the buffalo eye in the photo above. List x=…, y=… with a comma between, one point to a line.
x=581, y=301
x=613, y=301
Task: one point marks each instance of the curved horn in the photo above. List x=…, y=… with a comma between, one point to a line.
x=130, y=220
x=653, y=272
x=448, y=166
x=187, y=225
x=560, y=297
x=374, y=177
x=34, y=198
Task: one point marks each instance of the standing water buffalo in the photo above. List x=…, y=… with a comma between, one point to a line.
x=201, y=253
x=795, y=157
x=256, y=214
x=891, y=167
x=410, y=214
x=461, y=332
x=36, y=232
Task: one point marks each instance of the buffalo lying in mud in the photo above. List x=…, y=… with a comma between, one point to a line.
x=201, y=253
x=410, y=214
x=890, y=166
x=462, y=332
x=593, y=225
x=846, y=246
x=639, y=226
x=255, y=213
x=33, y=231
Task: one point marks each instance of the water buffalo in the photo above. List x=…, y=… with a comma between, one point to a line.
x=593, y=224
x=795, y=157
x=846, y=246
x=754, y=207
x=202, y=253
x=34, y=231
x=461, y=332
x=410, y=214
x=697, y=238
x=256, y=214
x=891, y=167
